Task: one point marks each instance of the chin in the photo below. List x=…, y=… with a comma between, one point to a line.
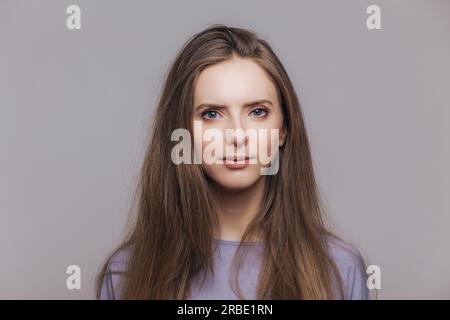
x=234, y=179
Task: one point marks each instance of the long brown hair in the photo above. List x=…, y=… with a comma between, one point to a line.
x=172, y=236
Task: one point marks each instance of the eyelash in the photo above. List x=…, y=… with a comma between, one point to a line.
x=266, y=112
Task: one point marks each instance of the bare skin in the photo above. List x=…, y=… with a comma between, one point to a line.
x=223, y=99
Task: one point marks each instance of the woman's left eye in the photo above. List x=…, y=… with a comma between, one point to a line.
x=259, y=112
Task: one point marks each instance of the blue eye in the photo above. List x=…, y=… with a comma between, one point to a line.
x=213, y=114
x=259, y=112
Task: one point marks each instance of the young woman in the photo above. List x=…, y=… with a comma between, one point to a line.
x=225, y=230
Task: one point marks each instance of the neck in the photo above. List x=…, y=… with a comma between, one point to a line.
x=237, y=208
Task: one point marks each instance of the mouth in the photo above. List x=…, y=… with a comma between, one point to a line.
x=236, y=159
x=235, y=163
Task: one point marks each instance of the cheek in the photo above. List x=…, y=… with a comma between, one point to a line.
x=198, y=141
x=208, y=147
x=274, y=134
x=268, y=142
x=274, y=140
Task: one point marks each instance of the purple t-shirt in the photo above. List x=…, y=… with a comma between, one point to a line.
x=347, y=258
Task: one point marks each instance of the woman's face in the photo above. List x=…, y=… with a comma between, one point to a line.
x=236, y=94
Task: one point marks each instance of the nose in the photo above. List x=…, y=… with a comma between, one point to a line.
x=237, y=136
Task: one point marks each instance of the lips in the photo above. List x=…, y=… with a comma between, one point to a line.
x=235, y=159
x=236, y=162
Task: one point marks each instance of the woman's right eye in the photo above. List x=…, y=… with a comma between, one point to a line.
x=210, y=114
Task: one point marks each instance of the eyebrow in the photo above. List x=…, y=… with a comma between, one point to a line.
x=221, y=106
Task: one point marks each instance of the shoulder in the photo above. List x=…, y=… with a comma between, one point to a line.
x=115, y=269
x=119, y=260
x=351, y=267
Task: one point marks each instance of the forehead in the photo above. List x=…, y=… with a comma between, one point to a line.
x=234, y=82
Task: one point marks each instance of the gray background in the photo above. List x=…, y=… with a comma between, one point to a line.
x=75, y=108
